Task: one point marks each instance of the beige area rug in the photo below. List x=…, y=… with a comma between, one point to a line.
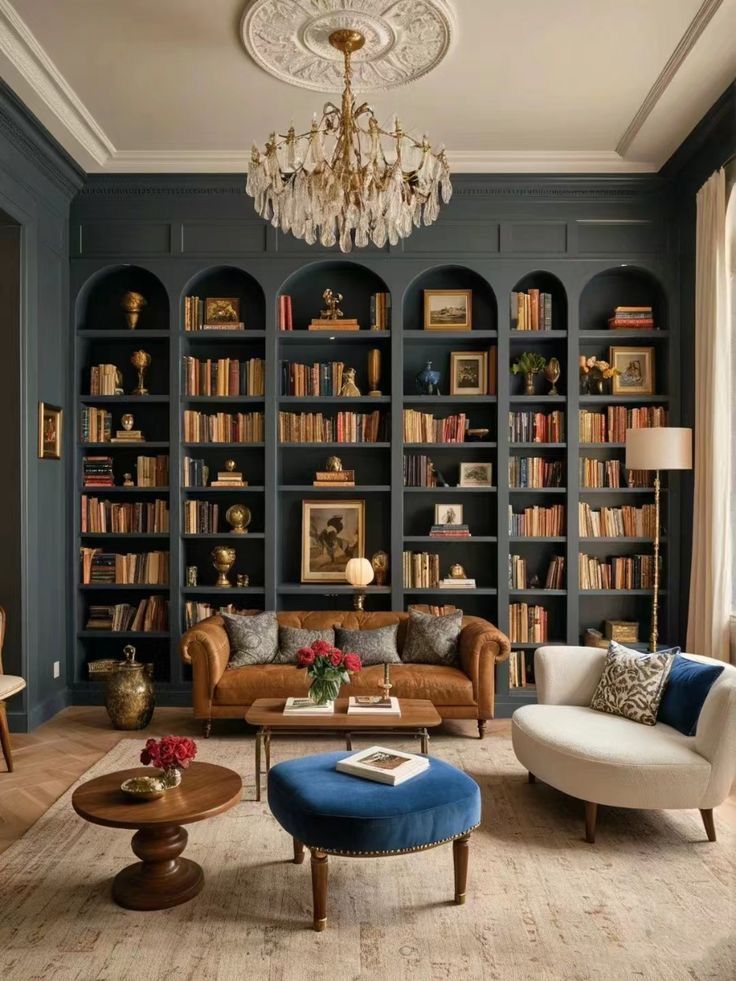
x=651, y=900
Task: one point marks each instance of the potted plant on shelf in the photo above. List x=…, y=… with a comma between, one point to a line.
x=529, y=364
x=327, y=668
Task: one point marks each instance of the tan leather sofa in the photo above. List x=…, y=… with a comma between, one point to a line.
x=463, y=692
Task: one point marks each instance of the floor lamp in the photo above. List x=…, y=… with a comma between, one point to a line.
x=658, y=448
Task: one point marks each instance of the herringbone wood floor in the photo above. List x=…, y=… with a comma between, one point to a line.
x=49, y=760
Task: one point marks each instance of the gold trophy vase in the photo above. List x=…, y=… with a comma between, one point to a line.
x=132, y=303
x=374, y=372
x=223, y=559
x=141, y=361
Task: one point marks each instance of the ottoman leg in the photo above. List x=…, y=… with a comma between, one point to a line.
x=319, y=889
x=298, y=852
x=460, y=853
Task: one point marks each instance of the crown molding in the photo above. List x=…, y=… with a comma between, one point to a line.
x=19, y=45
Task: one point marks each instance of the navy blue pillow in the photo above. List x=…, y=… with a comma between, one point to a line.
x=686, y=690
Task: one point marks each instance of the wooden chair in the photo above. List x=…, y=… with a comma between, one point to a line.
x=10, y=684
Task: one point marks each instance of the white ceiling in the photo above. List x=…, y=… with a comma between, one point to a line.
x=529, y=85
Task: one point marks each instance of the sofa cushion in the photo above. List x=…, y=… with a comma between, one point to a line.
x=632, y=683
x=292, y=638
x=432, y=639
x=685, y=693
x=609, y=759
x=376, y=646
x=253, y=639
x=442, y=685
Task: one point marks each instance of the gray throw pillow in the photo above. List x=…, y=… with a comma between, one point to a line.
x=632, y=683
x=292, y=638
x=376, y=646
x=253, y=639
x=431, y=639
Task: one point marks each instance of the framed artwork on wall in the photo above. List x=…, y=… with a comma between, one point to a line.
x=448, y=309
x=636, y=367
x=49, y=431
x=332, y=534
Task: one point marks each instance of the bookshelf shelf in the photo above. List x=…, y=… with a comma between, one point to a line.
x=123, y=490
x=124, y=335
x=537, y=336
x=227, y=535
x=144, y=445
x=224, y=399
x=605, y=400
x=537, y=592
x=560, y=400
x=162, y=535
x=537, y=490
x=334, y=399
x=447, y=336
x=124, y=399
x=449, y=399
x=612, y=336
x=223, y=590
x=205, y=446
x=331, y=589
x=434, y=540
x=125, y=587
x=250, y=489
x=315, y=337
x=450, y=490
x=537, y=538
x=468, y=447
x=358, y=489
x=437, y=591
x=124, y=634
x=334, y=446
x=537, y=446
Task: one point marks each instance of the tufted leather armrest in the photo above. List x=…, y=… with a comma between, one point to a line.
x=482, y=646
x=207, y=648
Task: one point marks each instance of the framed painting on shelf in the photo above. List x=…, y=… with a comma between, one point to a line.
x=448, y=309
x=636, y=370
x=49, y=431
x=468, y=371
x=332, y=534
x=476, y=475
x=448, y=514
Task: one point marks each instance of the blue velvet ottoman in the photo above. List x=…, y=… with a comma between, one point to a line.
x=336, y=814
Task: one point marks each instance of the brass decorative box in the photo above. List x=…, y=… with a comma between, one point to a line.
x=622, y=631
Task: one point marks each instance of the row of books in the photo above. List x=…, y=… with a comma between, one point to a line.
x=519, y=573
x=111, y=517
x=132, y=568
x=610, y=426
x=223, y=376
x=195, y=612
x=151, y=471
x=531, y=310
x=535, y=471
x=201, y=518
x=150, y=615
x=622, y=522
x=286, y=312
x=521, y=669
x=419, y=471
x=611, y=473
x=196, y=309
x=423, y=427
x=345, y=427
x=528, y=624
x=421, y=570
x=632, y=318
x=380, y=311
x=538, y=522
x=619, y=572
x=96, y=425
x=104, y=379
x=311, y=379
x=537, y=427
x=223, y=427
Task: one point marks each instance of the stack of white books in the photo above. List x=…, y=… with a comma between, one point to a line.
x=383, y=765
x=373, y=705
x=305, y=706
x=457, y=584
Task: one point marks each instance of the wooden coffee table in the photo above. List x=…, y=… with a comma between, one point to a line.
x=162, y=878
x=417, y=715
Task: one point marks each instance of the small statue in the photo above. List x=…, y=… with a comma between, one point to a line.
x=126, y=421
x=192, y=575
x=456, y=572
x=238, y=517
x=334, y=464
x=349, y=388
x=230, y=466
x=379, y=561
x=428, y=380
x=332, y=305
x=242, y=579
x=128, y=480
x=439, y=479
x=118, y=382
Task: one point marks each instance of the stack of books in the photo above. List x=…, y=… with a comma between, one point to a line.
x=286, y=318
x=611, y=426
x=456, y=583
x=373, y=705
x=103, y=379
x=531, y=310
x=389, y=766
x=381, y=311
x=195, y=473
x=632, y=318
x=128, y=436
x=335, y=479
x=97, y=471
x=229, y=478
x=152, y=471
x=305, y=706
x=334, y=326
x=599, y=473
x=520, y=672
x=151, y=615
x=555, y=573
x=195, y=612
x=137, y=568
x=450, y=531
x=96, y=425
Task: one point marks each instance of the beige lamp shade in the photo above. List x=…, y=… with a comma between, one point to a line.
x=659, y=448
x=359, y=572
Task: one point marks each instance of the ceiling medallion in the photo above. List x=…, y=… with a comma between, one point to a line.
x=404, y=39
x=346, y=180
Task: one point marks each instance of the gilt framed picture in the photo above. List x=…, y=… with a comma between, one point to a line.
x=448, y=309
x=476, y=475
x=468, y=371
x=636, y=367
x=49, y=431
x=222, y=311
x=448, y=514
x=332, y=534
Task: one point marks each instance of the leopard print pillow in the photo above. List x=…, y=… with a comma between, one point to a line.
x=632, y=683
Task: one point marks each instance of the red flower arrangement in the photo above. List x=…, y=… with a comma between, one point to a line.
x=169, y=753
x=328, y=667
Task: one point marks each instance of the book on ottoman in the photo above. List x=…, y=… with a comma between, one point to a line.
x=373, y=705
x=383, y=765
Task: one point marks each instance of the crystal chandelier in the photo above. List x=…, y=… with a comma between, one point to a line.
x=347, y=179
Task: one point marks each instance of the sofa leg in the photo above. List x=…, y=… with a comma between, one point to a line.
x=481, y=728
x=710, y=825
x=532, y=778
x=319, y=889
x=298, y=852
x=591, y=815
x=207, y=728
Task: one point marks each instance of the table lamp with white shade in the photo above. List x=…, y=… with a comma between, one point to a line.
x=658, y=448
x=359, y=573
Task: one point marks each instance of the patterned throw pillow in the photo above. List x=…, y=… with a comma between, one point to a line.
x=253, y=639
x=374, y=646
x=632, y=683
x=292, y=638
x=431, y=639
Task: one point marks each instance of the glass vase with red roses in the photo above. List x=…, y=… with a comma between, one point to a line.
x=327, y=668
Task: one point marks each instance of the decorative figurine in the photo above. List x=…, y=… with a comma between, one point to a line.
x=456, y=572
x=428, y=380
x=223, y=559
x=126, y=421
x=552, y=373
x=132, y=303
x=230, y=477
x=379, y=561
x=242, y=579
x=192, y=575
x=238, y=517
x=374, y=372
x=332, y=304
x=334, y=464
x=140, y=360
x=439, y=480
x=128, y=480
x=118, y=382
x=349, y=388
x=127, y=434
x=129, y=692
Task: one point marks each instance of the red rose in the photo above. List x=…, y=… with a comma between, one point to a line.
x=322, y=647
x=352, y=662
x=336, y=658
x=306, y=656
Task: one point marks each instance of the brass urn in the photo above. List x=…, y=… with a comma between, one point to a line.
x=223, y=559
x=132, y=303
x=129, y=692
x=238, y=517
x=141, y=361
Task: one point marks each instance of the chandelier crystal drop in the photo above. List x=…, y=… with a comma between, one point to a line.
x=347, y=180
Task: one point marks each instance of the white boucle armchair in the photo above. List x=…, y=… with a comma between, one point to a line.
x=605, y=759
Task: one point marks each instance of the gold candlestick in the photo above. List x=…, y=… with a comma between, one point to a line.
x=374, y=372
x=386, y=686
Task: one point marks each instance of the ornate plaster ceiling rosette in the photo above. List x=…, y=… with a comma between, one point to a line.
x=404, y=39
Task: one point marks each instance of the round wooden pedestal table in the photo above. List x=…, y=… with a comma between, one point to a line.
x=162, y=878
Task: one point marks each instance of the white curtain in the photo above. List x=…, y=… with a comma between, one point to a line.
x=710, y=570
